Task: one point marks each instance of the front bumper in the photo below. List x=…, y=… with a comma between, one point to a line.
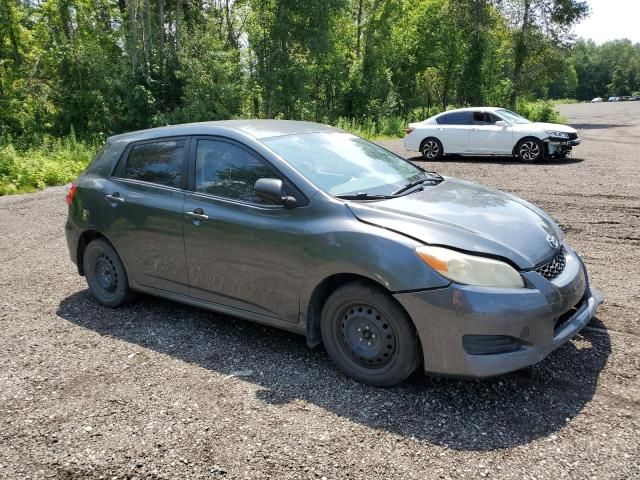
x=558, y=146
x=540, y=318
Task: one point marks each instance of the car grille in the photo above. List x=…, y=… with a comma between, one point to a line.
x=573, y=136
x=555, y=267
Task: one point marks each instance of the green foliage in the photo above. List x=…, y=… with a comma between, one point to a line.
x=610, y=69
x=538, y=111
x=99, y=67
x=54, y=162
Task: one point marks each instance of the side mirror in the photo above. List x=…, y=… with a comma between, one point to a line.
x=272, y=191
x=501, y=123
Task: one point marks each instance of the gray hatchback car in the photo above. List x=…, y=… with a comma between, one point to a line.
x=307, y=228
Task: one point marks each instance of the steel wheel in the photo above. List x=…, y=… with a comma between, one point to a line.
x=431, y=149
x=529, y=150
x=367, y=337
x=105, y=274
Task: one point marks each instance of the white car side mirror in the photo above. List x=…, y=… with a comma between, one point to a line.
x=501, y=123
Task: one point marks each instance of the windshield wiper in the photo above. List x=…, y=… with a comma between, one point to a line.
x=363, y=196
x=434, y=177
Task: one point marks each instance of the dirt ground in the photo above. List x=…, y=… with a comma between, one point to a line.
x=161, y=390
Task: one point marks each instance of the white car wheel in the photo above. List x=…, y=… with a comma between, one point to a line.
x=431, y=149
x=529, y=150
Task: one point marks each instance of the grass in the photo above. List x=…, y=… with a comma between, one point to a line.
x=52, y=162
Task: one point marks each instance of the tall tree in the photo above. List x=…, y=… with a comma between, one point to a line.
x=533, y=21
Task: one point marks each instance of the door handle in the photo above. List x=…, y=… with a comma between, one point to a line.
x=197, y=214
x=114, y=198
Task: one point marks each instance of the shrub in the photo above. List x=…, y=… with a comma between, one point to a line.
x=53, y=162
x=538, y=111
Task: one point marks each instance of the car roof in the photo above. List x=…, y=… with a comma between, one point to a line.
x=258, y=129
x=473, y=109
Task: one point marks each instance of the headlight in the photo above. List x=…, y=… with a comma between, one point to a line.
x=470, y=269
x=553, y=133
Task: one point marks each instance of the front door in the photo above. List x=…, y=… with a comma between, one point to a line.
x=240, y=251
x=487, y=137
x=143, y=213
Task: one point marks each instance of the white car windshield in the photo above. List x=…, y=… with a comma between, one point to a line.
x=512, y=117
x=341, y=164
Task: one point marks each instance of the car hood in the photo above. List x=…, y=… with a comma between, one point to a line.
x=467, y=217
x=557, y=127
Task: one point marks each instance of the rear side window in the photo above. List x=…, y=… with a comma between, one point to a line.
x=226, y=170
x=157, y=162
x=456, y=118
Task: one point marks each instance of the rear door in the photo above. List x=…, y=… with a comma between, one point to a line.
x=142, y=212
x=241, y=252
x=453, y=131
x=487, y=137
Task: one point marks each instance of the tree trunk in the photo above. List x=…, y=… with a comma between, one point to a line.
x=358, y=28
x=15, y=50
x=161, y=26
x=177, y=40
x=520, y=55
x=133, y=32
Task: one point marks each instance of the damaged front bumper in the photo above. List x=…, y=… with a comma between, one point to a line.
x=560, y=147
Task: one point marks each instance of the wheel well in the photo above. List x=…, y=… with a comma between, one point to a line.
x=83, y=241
x=319, y=297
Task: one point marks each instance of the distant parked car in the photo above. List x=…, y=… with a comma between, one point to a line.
x=489, y=131
x=307, y=228
x=614, y=99
x=596, y=100
x=635, y=98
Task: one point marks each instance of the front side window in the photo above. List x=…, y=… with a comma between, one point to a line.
x=157, y=162
x=226, y=170
x=484, y=118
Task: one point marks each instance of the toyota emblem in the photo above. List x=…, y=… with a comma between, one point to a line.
x=553, y=241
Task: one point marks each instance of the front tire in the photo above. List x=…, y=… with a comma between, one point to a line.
x=105, y=273
x=530, y=150
x=368, y=336
x=431, y=149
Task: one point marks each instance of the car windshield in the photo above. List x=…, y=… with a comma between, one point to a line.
x=512, y=116
x=342, y=164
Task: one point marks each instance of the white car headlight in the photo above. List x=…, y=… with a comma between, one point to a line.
x=553, y=133
x=470, y=269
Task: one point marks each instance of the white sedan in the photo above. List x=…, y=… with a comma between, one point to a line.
x=489, y=131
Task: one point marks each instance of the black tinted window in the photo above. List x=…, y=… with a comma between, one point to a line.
x=484, y=118
x=227, y=170
x=158, y=162
x=457, y=118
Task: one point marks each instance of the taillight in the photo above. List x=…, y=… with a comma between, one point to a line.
x=408, y=130
x=71, y=193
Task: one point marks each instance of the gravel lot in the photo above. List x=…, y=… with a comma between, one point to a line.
x=160, y=390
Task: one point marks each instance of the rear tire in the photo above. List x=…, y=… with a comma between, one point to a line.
x=530, y=150
x=368, y=336
x=105, y=273
x=431, y=149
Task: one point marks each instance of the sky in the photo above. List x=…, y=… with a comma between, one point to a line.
x=610, y=20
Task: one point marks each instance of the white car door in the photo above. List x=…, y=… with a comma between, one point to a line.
x=488, y=138
x=453, y=131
